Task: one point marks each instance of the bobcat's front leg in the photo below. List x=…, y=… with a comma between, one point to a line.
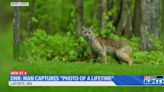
x=103, y=57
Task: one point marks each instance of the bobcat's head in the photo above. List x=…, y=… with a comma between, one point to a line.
x=88, y=34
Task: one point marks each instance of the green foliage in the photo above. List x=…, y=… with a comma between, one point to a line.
x=59, y=47
x=66, y=48
x=71, y=24
x=156, y=42
x=108, y=32
x=153, y=57
x=44, y=46
x=34, y=20
x=83, y=49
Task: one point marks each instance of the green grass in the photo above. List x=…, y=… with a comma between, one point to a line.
x=86, y=89
x=81, y=68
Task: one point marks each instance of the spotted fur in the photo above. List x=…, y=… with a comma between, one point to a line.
x=102, y=47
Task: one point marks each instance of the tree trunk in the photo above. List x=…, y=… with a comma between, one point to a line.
x=104, y=11
x=124, y=26
x=150, y=22
x=163, y=23
x=117, y=18
x=163, y=16
x=137, y=18
x=30, y=25
x=99, y=12
x=16, y=33
x=109, y=5
x=79, y=10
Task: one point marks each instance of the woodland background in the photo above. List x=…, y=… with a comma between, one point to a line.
x=51, y=30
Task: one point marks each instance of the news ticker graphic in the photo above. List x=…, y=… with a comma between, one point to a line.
x=20, y=78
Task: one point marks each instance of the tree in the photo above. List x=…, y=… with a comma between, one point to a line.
x=163, y=22
x=124, y=26
x=16, y=33
x=104, y=11
x=137, y=18
x=101, y=12
x=163, y=15
x=109, y=4
x=150, y=23
x=30, y=26
x=79, y=10
x=117, y=18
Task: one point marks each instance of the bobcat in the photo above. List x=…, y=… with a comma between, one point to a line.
x=102, y=47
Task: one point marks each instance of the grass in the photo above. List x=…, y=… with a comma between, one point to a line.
x=80, y=68
x=86, y=89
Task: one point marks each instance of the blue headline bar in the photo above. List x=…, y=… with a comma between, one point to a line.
x=60, y=78
x=117, y=80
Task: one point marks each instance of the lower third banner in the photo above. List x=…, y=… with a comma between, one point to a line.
x=86, y=80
